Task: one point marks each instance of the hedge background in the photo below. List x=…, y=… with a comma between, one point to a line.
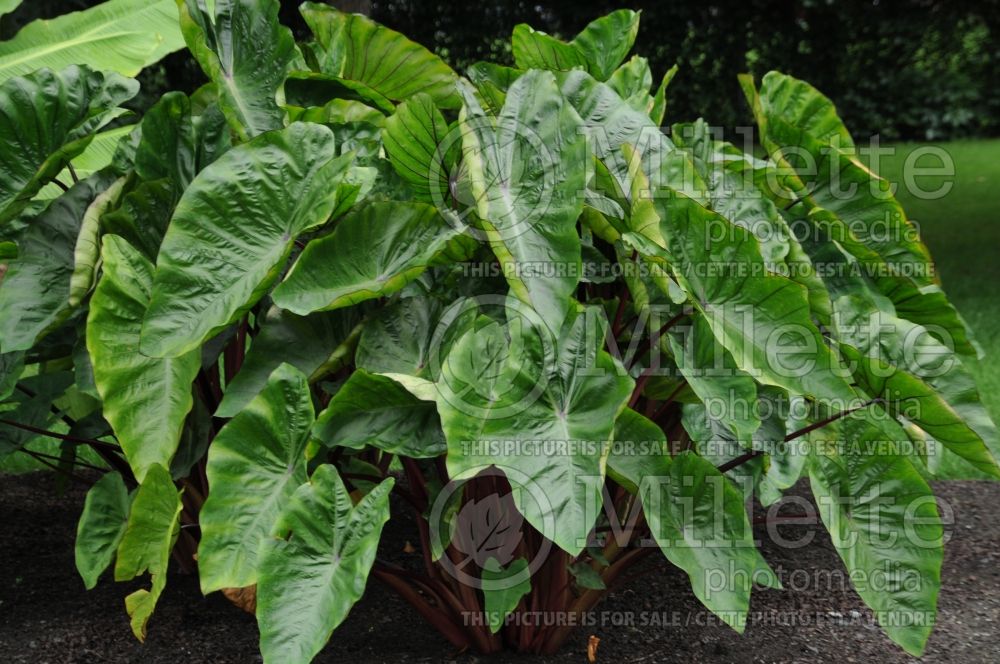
x=906, y=69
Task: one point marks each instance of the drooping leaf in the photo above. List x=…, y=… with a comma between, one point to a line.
x=305, y=342
x=712, y=374
x=233, y=229
x=145, y=399
x=245, y=51
x=529, y=389
x=356, y=48
x=911, y=348
x=35, y=292
x=315, y=569
x=310, y=88
x=101, y=527
x=802, y=132
x=255, y=464
x=503, y=589
x=762, y=319
x=370, y=409
x=906, y=395
x=699, y=521
x=371, y=253
x=638, y=450
x=337, y=111
x=119, y=35
x=153, y=526
x=46, y=119
x=526, y=172
x=884, y=523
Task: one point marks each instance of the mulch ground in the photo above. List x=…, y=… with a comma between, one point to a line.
x=46, y=615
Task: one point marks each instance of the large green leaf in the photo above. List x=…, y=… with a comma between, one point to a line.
x=503, y=589
x=606, y=41
x=699, y=521
x=245, y=51
x=177, y=145
x=414, y=141
x=906, y=395
x=639, y=449
x=370, y=409
x=911, y=348
x=11, y=367
x=712, y=374
x=534, y=49
x=315, y=569
x=926, y=305
x=412, y=336
x=255, y=464
x=801, y=105
x=762, y=319
x=153, y=527
x=804, y=135
x=143, y=215
x=145, y=399
x=599, y=48
x=356, y=48
x=506, y=393
x=526, y=170
x=610, y=123
x=7, y=6
x=119, y=35
x=101, y=527
x=35, y=292
x=372, y=253
x=234, y=228
x=730, y=192
x=884, y=523
x=100, y=153
x=305, y=342
x=46, y=119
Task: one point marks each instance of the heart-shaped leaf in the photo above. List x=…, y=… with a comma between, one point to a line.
x=233, y=229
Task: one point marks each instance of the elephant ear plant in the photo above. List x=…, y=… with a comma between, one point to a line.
x=342, y=285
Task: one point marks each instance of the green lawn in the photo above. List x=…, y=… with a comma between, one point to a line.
x=962, y=229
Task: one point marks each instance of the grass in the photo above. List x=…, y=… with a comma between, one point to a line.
x=962, y=230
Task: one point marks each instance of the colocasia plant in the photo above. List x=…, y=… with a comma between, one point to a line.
x=342, y=285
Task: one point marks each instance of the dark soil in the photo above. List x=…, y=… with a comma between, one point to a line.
x=47, y=616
